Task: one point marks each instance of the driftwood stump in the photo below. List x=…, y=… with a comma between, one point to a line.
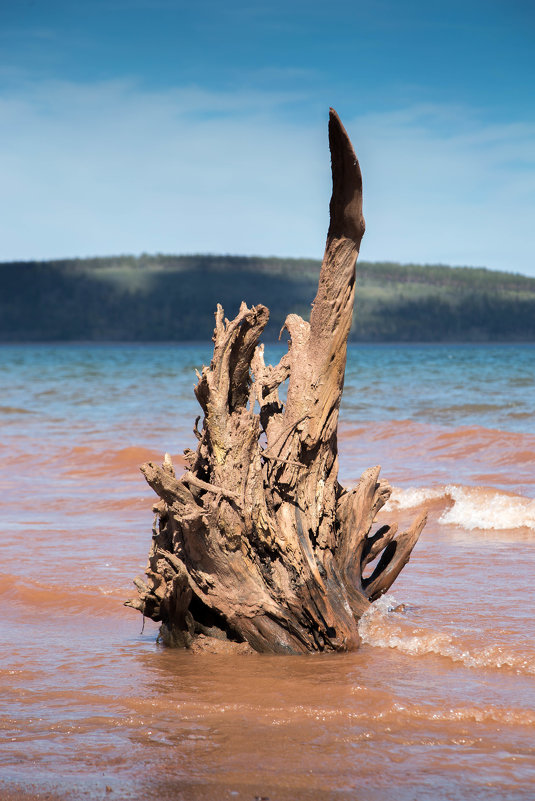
x=257, y=541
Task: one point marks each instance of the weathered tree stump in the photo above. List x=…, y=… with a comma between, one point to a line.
x=257, y=541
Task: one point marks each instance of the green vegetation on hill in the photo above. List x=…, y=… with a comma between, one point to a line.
x=173, y=298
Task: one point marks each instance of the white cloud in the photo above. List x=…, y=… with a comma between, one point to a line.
x=105, y=168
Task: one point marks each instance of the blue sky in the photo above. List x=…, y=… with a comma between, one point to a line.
x=166, y=126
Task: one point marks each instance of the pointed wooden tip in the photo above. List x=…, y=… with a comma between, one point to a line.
x=346, y=201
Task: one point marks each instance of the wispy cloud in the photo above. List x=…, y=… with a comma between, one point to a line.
x=445, y=186
x=108, y=167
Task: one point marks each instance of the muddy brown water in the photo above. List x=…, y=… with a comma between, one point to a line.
x=438, y=703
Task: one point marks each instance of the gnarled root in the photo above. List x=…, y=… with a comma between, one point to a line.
x=257, y=542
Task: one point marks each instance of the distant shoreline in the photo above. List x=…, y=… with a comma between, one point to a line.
x=171, y=299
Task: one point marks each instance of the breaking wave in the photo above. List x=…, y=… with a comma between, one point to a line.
x=381, y=627
x=469, y=507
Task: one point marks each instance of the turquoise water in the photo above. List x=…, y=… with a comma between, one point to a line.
x=457, y=397
x=451, y=385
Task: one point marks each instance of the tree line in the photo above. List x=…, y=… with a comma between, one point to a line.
x=163, y=298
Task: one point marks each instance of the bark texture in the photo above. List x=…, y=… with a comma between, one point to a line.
x=257, y=542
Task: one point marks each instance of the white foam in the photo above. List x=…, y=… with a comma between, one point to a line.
x=480, y=508
x=413, y=496
x=379, y=628
x=470, y=507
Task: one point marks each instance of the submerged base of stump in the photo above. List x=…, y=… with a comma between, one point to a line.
x=257, y=546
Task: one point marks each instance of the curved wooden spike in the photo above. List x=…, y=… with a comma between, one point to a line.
x=346, y=200
x=395, y=556
x=356, y=511
x=332, y=310
x=377, y=543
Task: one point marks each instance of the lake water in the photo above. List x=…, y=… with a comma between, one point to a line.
x=439, y=703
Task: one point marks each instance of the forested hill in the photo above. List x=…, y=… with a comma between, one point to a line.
x=173, y=298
